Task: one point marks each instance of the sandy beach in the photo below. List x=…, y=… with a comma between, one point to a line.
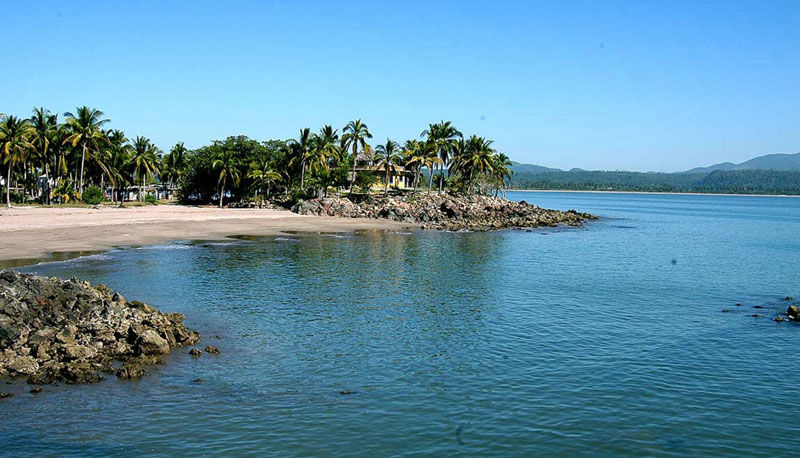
x=29, y=233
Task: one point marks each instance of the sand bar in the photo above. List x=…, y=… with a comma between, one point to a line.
x=35, y=232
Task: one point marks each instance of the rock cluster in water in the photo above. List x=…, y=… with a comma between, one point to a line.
x=445, y=211
x=792, y=313
x=68, y=330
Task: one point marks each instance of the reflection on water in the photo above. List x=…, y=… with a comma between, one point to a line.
x=587, y=341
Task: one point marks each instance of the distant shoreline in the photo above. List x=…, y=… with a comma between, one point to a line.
x=656, y=192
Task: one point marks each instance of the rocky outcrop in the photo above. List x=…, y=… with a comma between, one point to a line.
x=445, y=211
x=68, y=330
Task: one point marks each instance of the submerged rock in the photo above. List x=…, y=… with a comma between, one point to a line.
x=212, y=350
x=55, y=330
x=195, y=352
x=130, y=370
x=445, y=211
x=793, y=313
x=5, y=395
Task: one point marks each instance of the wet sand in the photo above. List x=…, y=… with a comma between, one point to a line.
x=31, y=233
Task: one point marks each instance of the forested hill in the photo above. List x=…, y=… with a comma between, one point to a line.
x=719, y=181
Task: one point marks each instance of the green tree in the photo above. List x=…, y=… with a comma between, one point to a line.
x=174, y=163
x=390, y=158
x=441, y=137
x=145, y=161
x=227, y=162
x=501, y=172
x=355, y=135
x=44, y=125
x=301, y=151
x=474, y=160
x=119, y=163
x=86, y=130
x=264, y=176
x=414, y=158
x=15, y=142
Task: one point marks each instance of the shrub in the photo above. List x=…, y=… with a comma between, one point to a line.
x=150, y=199
x=93, y=195
x=365, y=180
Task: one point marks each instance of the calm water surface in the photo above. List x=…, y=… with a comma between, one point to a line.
x=603, y=340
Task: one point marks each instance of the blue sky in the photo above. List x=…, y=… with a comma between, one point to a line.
x=640, y=85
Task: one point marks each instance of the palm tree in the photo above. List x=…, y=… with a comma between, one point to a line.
x=355, y=134
x=228, y=164
x=475, y=159
x=60, y=150
x=300, y=149
x=430, y=160
x=501, y=171
x=441, y=137
x=118, y=163
x=327, y=145
x=323, y=148
x=145, y=161
x=390, y=158
x=175, y=163
x=44, y=125
x=86, y=131
x=14, y=144
x=264, y=176
x=414, y=156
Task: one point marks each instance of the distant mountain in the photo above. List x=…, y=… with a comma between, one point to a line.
x=522, y=168
x=784, y=162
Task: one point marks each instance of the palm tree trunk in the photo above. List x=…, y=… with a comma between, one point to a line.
x=302, y=175
x=221, y=192
x=386, y=189
x=353, y=177
x=8, y=186
x=46, y=184
x=263, y=192
x=430, y=182
x=83, y=158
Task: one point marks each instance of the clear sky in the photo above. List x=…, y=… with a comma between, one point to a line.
x=639, y=85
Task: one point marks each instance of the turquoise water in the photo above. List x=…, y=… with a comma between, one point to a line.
x=602, y=340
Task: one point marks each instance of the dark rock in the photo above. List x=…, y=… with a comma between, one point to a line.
x=150, y=343
x=445, y=211
x=793, y=313
x=68, y=330
x=758, y=306
x=756, y=315
x=36, y=390
x=788, y=298
x=778, y=318
x=5, y=395
x=130, y=370
x=195, y=352
x=212, y=350
x=347, y=392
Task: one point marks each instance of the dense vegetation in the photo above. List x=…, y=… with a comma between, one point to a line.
x=52, y=162
x=734, y=181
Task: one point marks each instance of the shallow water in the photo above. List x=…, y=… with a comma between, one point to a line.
x=602, y=340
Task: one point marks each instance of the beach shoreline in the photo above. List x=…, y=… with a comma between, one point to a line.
x=33, y=234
